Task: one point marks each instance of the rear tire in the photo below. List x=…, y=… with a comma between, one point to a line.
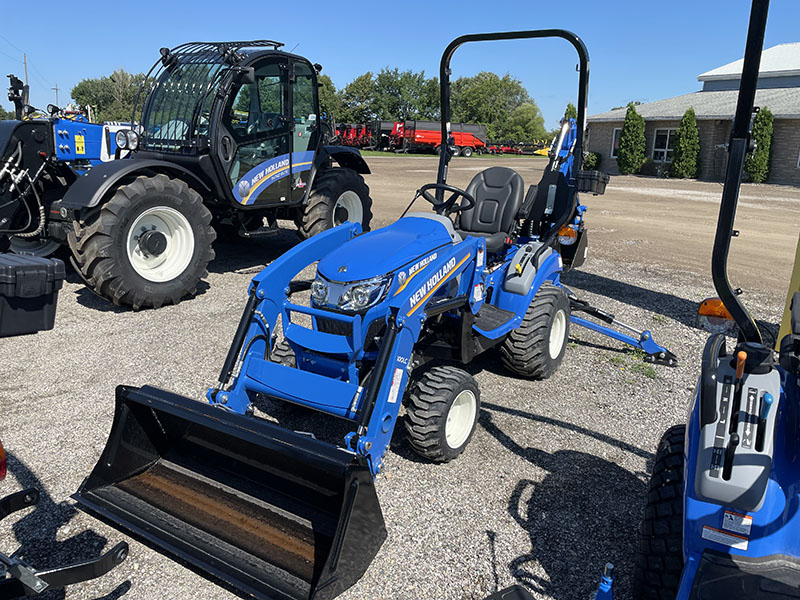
x=124, y=267
x=442, y=411
x=659, y=562
x=466, y=152
x=536, y=348
x=338, y=195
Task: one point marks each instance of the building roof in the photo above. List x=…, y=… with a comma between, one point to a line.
x=782, y=60
x=783, y=102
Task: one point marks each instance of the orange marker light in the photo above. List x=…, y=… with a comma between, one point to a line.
x=567, y=235
x=713, y=307
x=741, y=357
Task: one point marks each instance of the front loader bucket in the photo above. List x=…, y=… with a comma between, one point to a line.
x=275, y=513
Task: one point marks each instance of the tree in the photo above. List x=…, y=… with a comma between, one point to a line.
x=634, y=102
x=525, y=123
x=632, y=145
x=329, y=101
x=6, y=115
x=487, y=98
x=758, y=164
x=401, y=95
x=571, y=112
x=111, y=97
x=357, y=100
x=686, y=155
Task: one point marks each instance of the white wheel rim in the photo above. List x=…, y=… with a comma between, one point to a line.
x=460, y=419
x=350, y=204
x=179, y=250
x=557, y=332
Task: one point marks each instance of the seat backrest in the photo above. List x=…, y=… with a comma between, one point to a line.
x=498, y=198
x=551, y=201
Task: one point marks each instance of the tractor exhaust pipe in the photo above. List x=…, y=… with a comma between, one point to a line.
x=274, y=513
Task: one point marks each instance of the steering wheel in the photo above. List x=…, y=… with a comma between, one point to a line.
x=448, y=206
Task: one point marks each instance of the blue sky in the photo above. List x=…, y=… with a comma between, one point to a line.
x=638, y=50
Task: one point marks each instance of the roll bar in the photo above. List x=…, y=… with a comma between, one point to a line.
x=444, y=79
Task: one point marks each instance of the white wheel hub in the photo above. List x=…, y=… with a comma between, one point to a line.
x=460, y=419
x=348, y=208
x=160, y=244
x=558, y=332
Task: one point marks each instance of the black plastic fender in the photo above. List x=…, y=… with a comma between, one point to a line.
x=91, y=187
x=347, y=157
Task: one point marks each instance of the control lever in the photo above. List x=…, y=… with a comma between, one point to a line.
x=733, y=443
x=766, y=405
x=741, y=358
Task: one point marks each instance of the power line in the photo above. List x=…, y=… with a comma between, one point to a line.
x=10, y=44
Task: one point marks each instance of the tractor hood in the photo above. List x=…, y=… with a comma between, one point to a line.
x=384, y=250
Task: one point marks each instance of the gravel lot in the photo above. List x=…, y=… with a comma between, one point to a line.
x=551, y=487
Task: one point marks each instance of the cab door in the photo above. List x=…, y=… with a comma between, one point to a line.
x=256, y=138
x=305, y=124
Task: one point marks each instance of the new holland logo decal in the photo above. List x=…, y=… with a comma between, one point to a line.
x=436, y=280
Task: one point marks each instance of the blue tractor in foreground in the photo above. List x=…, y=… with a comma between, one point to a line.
x=354, y=325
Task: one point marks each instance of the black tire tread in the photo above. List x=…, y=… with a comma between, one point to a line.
x=659, y=562
x=316, y=215
x=283, y=354
x=426, y=407
x=524, y=350
x=91, y=242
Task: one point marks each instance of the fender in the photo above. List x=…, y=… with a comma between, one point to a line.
x=91, y=187
x=347, y=157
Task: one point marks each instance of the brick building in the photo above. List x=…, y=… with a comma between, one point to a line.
x=714, y=106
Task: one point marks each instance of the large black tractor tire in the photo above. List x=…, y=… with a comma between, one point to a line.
x=659, y=562
x=124, y=262
x=536, y=348
x=442, y=409
x=338, y=195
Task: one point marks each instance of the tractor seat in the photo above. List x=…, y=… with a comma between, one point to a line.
x=498, y=193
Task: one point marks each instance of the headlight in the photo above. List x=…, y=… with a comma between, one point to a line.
x=122, y=139
x=133, y=139
x=351, y=297
x=319, y=291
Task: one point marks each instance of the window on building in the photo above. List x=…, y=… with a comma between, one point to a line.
x=615, y=141
x=663, y=145
x=798, y=161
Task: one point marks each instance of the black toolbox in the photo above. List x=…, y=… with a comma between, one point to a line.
x=28, y=292
x=593, y=181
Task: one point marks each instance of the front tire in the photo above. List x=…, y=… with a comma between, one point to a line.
x=149, y=245
x=338, y=195
x=536, y=348
x=659, y=562
x=442, y=411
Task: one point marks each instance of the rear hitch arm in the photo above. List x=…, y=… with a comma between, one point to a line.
x=21, y=579
x=654, y=353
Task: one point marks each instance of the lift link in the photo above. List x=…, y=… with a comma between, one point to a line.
x=654, y=353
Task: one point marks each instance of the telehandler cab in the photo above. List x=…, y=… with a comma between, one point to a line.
x=225, y=135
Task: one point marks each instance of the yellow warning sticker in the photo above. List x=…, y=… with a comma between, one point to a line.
x=80, y=145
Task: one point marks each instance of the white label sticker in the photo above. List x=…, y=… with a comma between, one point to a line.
x=477, y=293
x=479, y=258
x=726, y=539
x=737, y=523
x=395, y=389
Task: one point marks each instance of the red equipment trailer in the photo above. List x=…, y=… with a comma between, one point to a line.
x=426, y=135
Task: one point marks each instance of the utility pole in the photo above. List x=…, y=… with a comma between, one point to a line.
x=56, y=90
x=25, y=62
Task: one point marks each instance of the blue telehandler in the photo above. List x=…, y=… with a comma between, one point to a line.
x=353, y=325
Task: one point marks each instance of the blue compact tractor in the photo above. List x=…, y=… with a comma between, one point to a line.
x=353, y=325
x=722, y=516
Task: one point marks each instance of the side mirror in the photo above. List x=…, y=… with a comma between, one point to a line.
x=245, y=75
